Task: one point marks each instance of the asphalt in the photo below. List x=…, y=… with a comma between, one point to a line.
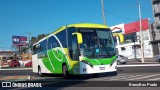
x=131, y=62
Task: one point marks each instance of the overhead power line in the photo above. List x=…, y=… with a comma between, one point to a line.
x=108, y=12
x=120, y=16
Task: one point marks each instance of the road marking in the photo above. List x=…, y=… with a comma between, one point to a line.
x=120, y=76
x=131, y=76
x=144, y=77
x=127, y=77
x=123, y=77
x=154, y=79
x=138, y=65
x=16, y=69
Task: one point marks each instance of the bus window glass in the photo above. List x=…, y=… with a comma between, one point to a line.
x=97, y=43
x=70, y=37
x=74, y=48
x=52, y=43
x=62, y=37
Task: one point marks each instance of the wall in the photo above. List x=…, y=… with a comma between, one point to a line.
x=131, y=47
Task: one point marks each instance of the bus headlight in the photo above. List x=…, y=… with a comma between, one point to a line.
x=113, y=62
x=84, y=70
x=87, y=62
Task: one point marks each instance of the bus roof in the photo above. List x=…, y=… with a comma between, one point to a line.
x=80, y=25
x=88, y=25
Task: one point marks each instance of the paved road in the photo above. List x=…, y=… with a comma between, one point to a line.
x=16, y=72
x=124, y=73
x=149, y=73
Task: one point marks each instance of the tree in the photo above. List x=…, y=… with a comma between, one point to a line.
x=24, y=49
x=36, y=39
x=33, y=40
x=41, y=36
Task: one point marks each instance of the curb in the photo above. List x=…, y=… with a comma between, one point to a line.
x=16, y=69
x=138, y=65
x=16, y=78
x=142, y=63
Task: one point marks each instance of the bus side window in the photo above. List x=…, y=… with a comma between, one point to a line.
x=52, y=43
x=74, y=52
x=70, y=41
x=34, y=49
x=62, y=38
x=43, y=46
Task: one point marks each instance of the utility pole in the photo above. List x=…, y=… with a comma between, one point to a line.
x=141, y=35
x=0, y=62
x=29, y=50
x=103, y=13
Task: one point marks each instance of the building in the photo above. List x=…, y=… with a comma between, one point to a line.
x=5, y=54
x=155, y=27
x=131, y=47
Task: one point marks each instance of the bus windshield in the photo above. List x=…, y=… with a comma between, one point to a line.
x=97, y=43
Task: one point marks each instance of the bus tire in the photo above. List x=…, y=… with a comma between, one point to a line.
x=39, y=72
x=64, y=71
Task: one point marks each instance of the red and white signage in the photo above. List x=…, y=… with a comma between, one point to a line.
x=118, y=28
x=135, y=26
x=130, y=27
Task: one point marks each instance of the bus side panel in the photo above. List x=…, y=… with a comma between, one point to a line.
x=38, y=62
x=34, y=63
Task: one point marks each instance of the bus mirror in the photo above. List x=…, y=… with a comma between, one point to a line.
x=79, y=37
x=121, y=37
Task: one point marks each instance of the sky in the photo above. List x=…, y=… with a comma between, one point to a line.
x=17, y=17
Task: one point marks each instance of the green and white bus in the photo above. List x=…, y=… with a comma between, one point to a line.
x=76, y=49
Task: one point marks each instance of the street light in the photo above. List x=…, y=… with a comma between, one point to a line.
x=141, y=35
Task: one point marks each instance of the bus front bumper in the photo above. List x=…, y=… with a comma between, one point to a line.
x=87, y=69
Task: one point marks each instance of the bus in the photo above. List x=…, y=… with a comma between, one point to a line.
x=76, y=49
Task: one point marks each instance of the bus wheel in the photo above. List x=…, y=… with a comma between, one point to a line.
x=64, y=71
x=39, y=72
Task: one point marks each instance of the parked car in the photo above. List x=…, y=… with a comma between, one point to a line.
x=14, y=63
x=121, y=59
x=29, y=64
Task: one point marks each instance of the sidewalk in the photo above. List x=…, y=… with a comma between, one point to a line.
x=21, y=77
x=138, y=61
x=15, y=68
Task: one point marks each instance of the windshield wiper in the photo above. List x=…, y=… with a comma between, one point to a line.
x=108, y=53
x=93, y=54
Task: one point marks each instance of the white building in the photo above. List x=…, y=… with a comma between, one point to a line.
x=131, y=47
